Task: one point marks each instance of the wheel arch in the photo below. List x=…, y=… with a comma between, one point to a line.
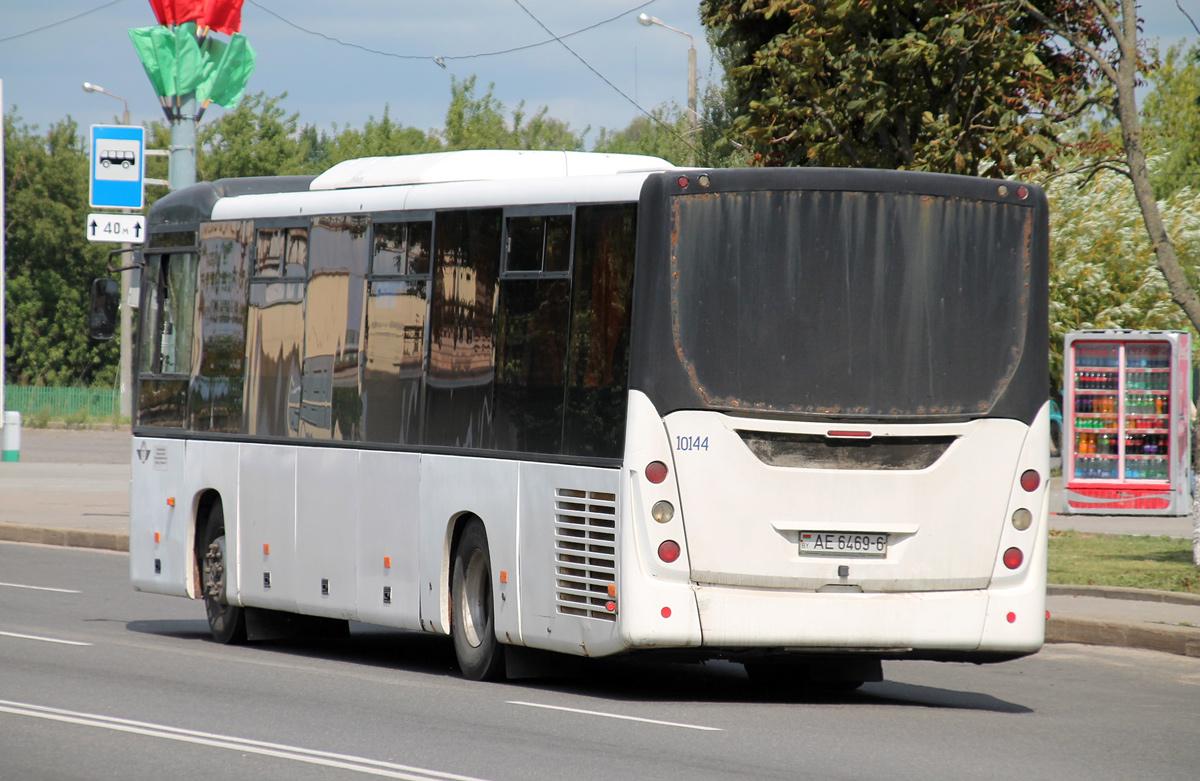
x=202, y=504
x=454, y=531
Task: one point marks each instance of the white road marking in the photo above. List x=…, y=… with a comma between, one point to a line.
x=42, y=588
x=43, y=639
x=279, y=750
x=615, y=716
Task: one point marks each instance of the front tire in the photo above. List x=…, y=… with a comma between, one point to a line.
x=472, y=615
x=226, y=622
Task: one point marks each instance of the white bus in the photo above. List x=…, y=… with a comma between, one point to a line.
x=595, y=404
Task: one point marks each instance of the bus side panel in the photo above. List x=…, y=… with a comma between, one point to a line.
x=451, y=487
x=656, y=599
x=389, y=517
x=1017, y=598
x=267, y=527
x=158, y=474
x=568, y=559
x=326, y=532
x=214, y=465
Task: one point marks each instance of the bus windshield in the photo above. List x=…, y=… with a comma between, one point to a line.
x=850, y=304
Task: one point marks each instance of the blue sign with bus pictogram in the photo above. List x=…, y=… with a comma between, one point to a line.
x=118, y=167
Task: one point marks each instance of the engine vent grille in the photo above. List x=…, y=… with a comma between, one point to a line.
x=585, y=552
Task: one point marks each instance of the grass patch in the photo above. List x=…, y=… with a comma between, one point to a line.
x=1164, y=563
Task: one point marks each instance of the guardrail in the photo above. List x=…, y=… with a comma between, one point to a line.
x=57, y=403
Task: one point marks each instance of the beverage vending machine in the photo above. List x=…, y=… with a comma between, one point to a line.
x=1127, y=423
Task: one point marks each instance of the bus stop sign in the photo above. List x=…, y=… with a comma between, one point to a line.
x=118, y=171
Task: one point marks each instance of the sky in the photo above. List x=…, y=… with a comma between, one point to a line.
x=331, y=84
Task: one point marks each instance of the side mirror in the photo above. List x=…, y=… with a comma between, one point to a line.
x=106, y=300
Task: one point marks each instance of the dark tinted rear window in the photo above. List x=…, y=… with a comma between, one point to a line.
x=850, y=303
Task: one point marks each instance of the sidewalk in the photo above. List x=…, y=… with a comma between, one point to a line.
x=72, y=488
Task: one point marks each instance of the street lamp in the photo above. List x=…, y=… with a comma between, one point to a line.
x=89, y=87
x=126, y=369
x=646, y=20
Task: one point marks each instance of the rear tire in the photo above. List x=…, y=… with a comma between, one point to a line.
x=226, y=622
x=472, y=616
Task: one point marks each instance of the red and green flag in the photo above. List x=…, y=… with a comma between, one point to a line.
x=224, y=16
x=181, y=58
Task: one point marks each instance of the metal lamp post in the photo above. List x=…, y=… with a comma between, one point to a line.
x=126, y=313
x=647, y=20
x=89, y=87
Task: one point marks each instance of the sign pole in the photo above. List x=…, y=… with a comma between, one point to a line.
x=182, y=166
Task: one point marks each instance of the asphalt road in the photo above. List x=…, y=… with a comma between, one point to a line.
x=98, y=681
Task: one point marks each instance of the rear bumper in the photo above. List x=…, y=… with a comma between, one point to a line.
x=891, y=624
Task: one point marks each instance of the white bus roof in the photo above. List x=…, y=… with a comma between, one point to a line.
x=449, y=180
x=477, y=165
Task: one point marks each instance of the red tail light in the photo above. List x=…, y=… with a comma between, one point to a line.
x=656, y=472
x=1013, y=558
x=1030, y=480
x=669, y=551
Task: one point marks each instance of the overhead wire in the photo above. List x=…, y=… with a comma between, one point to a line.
x=604, y=78
x=440, y=59
x=60, y=22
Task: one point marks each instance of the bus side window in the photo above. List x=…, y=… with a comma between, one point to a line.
x=531, y=333
x=165, y=338
x=169, y=301
x=598, y=344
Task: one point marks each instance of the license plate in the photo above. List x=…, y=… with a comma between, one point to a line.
x=842, y=544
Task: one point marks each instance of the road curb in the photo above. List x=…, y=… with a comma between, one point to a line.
x=71, y=538
x=1122, y=592
x=1178, y=640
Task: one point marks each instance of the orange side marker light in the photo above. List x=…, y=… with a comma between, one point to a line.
x=157, y=537
x=387, y=562
x=266, y=549
x=503, y=576
x=170, y=501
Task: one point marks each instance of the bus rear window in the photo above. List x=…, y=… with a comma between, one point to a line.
x=850, y=304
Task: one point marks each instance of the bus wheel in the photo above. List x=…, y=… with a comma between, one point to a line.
x=226, y=622
x=472, y=617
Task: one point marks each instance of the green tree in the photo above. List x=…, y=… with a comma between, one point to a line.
x=479, y=123
x=960, y=86
x=667, y=132
x=378, y=138
x=1171, y=117
x=50, y=263
x=1103, y=273
x=258, y=138
x=661, y=134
